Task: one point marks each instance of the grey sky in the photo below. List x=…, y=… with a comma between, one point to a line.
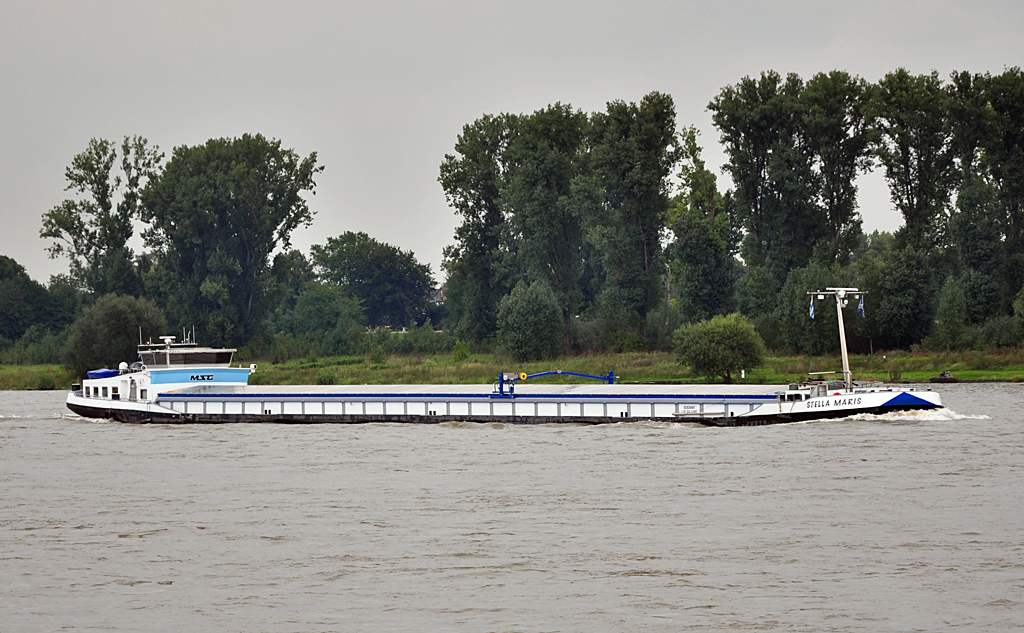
x=381, y=90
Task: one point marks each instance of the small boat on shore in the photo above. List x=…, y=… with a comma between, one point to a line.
x=944, y=377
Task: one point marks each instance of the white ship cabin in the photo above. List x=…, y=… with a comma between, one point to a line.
x=171, y=354
x=164, y=367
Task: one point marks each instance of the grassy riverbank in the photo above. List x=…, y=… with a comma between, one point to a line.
x=35, y=377
x=640, y=367
x=996, y=365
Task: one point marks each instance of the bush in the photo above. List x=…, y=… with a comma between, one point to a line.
x=326, y=321
x=1000, y=331
x=530, y=323
x=324, y=378
x=585, y=334
x=108, y=332
x=377, y=356
x=720, y=346
x=46, y=382
x=1018, y=314
x=37, y=346
x=662, y=324
x=950, y=331
x=460, y=353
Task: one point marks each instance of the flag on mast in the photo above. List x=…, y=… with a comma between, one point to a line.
x=812, y=306
x=860, y=308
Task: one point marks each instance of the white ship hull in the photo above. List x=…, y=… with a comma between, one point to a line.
x=533, y=404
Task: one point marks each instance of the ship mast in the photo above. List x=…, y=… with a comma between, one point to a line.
x=841, y=295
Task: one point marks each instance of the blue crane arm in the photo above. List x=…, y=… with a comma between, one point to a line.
x=610, y=378
x=511, y=379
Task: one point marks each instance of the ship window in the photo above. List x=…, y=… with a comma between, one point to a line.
x=144, y=394
x=113, y=390
x=104, y=392
x=87, y=389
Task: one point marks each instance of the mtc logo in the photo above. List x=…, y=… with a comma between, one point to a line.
x=202, y=377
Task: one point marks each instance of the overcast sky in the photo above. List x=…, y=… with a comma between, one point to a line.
x=380, y=90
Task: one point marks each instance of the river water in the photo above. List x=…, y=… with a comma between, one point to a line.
x=909, y=522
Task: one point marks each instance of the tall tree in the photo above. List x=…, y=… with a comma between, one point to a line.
x=218, y=212
x=472, y=180
x=906, y=299
x=23, y=301
x=770, y=161
x=93, y=230
x=970, y=119
x=394, y=288
x=545, y=227
x=701, y=254
x=634, y=152
x=1004, y=157
x=839, y=133
x=950, y=330
x=977, y=239
x=289, y=274
x=912, y=117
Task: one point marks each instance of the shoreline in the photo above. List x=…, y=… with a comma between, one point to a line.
x=995, y=366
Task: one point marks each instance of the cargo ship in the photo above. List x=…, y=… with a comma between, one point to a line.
x=181, y=382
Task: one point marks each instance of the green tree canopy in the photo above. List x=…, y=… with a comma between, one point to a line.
x=393, y=287
x=634, y=152
x=906, y=299
x=218, y=212
x=703, y=267
x=1004, y=158
x=912, y=117
x=545, y=224
x=720, y=346
x=530, y=323
x=289, y=274
x=701, y=257
x=93, y=230
x=330, y=321
x=839, y=132
x=950, y=330
x=107, y=333
x=23, y=301
x=790, y=328
x=550, y=197
x=761, y=122
x=472, y=179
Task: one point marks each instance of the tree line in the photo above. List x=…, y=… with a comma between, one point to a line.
x=577, y=230
x=614, y=219
x=216, y=223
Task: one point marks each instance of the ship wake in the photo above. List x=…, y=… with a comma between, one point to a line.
x=922, y=415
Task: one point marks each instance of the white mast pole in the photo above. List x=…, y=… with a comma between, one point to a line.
x=841, y=295
x=847, y=376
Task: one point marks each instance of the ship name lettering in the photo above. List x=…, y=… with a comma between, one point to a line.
x=846, y=402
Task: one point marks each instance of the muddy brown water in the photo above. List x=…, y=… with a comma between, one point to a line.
x=904, y=522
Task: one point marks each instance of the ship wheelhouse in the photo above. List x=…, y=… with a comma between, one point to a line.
x=188, y=354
